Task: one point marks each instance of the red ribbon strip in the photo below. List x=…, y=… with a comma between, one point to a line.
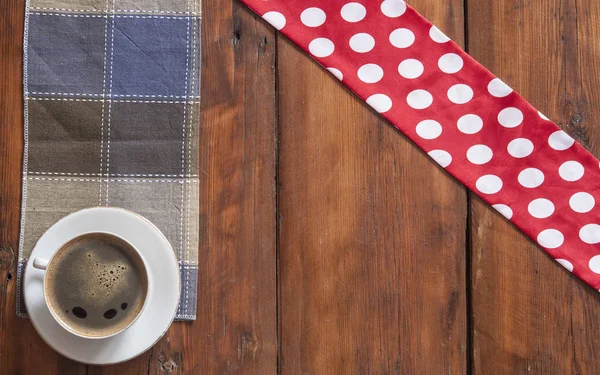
x=466, y=119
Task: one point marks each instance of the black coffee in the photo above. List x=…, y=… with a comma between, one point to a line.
x=96, y=284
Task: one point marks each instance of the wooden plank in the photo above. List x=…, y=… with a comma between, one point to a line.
x=235, y=330
x=371, y=233
x=21, y=349
x=529, y=315
x=236, y=325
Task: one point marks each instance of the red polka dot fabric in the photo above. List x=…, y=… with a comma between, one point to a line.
x=467, y=120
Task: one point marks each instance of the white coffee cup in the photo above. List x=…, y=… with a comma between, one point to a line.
x=164, y=286
x=75, y=322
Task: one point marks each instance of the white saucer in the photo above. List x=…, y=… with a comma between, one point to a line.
x=162, y=303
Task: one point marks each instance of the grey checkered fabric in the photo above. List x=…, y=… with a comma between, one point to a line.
x=111, y=119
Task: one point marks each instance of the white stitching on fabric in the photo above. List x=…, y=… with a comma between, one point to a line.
x=99, y=179
x=66, y=179
x=103, y=13
x=153, y=16
x=66, y=174
x=157, y=12
x=185, y=317
x=68, y=10
x=189, y=156
x=69, y=15
x=183, y=137
x=188, y=266
x=190, y=186
x=112, y=55
x=59, y=93
x=150, y=12
x=157, y=96
x=111, y=175
x=154, y=175
x=115, y=100
x=25, y=159
x=171, y=181
x=110, y=15
x=111, y=96
x=108, y=144
x=104, y=66
x=20, y=267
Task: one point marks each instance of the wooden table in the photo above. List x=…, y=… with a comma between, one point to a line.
x=329, y=243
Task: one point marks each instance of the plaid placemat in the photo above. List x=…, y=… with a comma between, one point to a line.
x=111, y=116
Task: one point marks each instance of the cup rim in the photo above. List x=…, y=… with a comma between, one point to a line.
x=148, y=290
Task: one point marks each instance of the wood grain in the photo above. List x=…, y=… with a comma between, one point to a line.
x=529, y=315
x=235, y=330
x=371, y=233
x=236, y=326
x=329, y=243
x=21, y=349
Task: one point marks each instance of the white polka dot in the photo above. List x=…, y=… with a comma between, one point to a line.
x=393, y=8
x=560, y=141
x=582, y=202
x=336, y=73
x=362, y=42
x=479, y=154
x=543, y=116
x=429, y=129
x=571, y=171
x=460, y=94
x=498, y=88
x=506, y=211
x=565, y=263
x=402, y=38
x=370, y=73
x=353, y=12
x=313, y=17
x=520, y=148
x=550, y=238
x=590, y=234
x=437, y=36
x=442, y=157
x=540, y=208
x=321, y=47
x=276, y=19
x=531, y=178
x=411, y=68
x=419, y=99
x=510, y=117
x=489, y=184
x=450, y=63
x=380, y=102
x=594, y=264
x=470, y=124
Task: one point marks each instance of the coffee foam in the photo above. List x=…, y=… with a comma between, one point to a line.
x=96, y=284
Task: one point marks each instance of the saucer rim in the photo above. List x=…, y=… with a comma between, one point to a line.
x=151, y=226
